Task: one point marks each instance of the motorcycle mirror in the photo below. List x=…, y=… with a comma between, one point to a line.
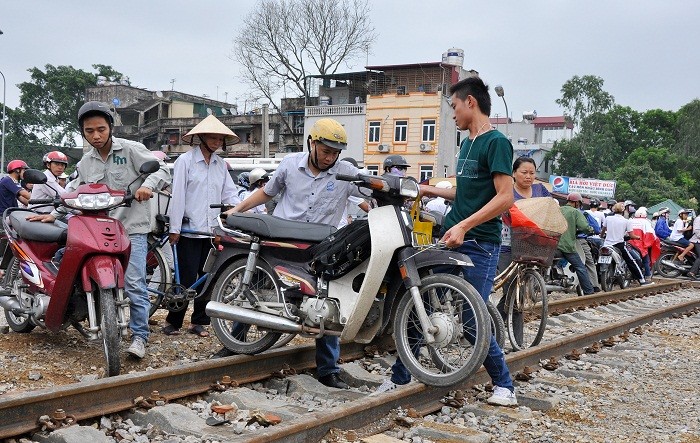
x=149, y=167
x=35, y=177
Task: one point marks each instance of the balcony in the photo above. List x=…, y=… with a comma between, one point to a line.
x=329, y=110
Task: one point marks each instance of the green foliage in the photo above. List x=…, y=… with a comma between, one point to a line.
x=50, y=101
x=583, y=96
x=652, y=155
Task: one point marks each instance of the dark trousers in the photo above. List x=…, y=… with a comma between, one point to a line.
x=191, y=256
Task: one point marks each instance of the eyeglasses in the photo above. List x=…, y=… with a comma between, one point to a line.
x=402, y=168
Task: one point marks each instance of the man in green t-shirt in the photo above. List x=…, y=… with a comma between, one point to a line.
x=576, y=222
x=473, y=226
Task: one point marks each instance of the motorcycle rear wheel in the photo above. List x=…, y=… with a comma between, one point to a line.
x=246, y=339
x=466, y=321
x=607, y=278
x=18, y=323
x=664, y=270
x=109, y=330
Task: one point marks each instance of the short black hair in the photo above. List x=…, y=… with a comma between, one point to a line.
x=520, y=160
x=475, y=87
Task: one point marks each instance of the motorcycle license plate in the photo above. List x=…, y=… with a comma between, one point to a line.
x=605, y=259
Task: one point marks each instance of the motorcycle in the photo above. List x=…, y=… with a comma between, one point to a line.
x=43, y=288
x=273, y=276
x=561, y=276
x=612, y=269
x=668, y=265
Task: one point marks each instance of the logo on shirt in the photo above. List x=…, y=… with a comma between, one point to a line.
x=118, y=160
x=330, y=186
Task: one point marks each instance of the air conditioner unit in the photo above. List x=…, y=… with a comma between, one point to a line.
x=383, y=148
x=426, y=147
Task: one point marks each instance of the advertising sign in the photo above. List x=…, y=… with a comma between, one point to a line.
x=585, y=186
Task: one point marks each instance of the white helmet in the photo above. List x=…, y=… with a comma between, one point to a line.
x=256, y=175
x=444, y=184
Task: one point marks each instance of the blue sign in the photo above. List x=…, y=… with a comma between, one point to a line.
x=116, y=101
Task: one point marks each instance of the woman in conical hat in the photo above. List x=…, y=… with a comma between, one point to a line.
x=210, y=125
x=200, y=178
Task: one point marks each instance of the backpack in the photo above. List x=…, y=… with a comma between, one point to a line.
x=342, y=251
x=592, y=222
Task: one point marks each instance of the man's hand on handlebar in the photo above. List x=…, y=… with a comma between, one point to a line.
x=173, y=238
x=44, y=218
x=142, y=194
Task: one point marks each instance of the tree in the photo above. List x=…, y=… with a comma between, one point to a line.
x=49, y=103
x=688, y=130
x=583, y=96
x=283, y=41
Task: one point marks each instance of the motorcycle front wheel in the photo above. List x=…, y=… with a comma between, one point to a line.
x=665, y=270
x=18, y=323
x=238, y=337
x=109, y=330
x=462, y=339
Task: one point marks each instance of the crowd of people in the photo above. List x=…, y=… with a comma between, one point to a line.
x=304, y=188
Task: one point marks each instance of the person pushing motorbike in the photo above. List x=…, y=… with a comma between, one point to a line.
x=115, y=162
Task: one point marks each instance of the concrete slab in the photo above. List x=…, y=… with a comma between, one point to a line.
x=303, y=383
x=356, y=376
x=249, y=399
x=74, y=434
x=436, y=432
x=179, y=420
x=586, y=375
x=538, y=401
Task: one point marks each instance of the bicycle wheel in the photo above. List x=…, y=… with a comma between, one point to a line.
x=238, y=337
x=527, y=310
x=158, y=278
x=462, y=340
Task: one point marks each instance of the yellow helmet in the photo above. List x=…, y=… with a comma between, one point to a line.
x=330, y=133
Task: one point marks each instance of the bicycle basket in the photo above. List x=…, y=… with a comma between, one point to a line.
x=422, y=230
x=533, y=245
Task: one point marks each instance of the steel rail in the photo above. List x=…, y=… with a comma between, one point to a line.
x=19, y=412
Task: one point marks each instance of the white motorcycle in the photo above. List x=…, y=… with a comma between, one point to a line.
x=273, y=277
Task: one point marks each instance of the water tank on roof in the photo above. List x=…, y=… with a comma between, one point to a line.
x=453, y=57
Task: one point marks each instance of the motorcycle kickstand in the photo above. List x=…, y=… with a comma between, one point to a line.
x=79, y=327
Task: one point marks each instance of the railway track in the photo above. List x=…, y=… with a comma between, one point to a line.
x=20, y=413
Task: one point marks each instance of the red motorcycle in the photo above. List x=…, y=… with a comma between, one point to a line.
x=43, y=288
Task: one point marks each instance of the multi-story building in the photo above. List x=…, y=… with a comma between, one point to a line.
x=158, y=119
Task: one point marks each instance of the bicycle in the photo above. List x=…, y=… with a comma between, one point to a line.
x=526, y=298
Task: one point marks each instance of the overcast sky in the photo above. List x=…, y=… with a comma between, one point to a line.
x=646, y=51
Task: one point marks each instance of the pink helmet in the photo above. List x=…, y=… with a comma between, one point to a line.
x=16, y=164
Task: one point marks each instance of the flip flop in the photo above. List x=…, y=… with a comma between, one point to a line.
x=198, y=330
x=170, y=330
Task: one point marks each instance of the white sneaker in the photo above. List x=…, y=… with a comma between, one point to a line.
x=387, y=385
x=502, y=397
x=137, y=348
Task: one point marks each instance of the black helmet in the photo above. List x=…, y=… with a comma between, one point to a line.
x=395, y=160
x=595, y=203
x=91, y=109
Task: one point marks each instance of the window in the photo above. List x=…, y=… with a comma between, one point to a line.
x=400, y=129
x=373, y=169
x=428, y=130
x=426, y=171
x=298, y=124
x=373, y=132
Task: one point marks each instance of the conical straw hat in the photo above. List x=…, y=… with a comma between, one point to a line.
x=212, y=125
x=545, y=212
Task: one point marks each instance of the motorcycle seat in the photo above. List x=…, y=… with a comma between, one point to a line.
x=671, y=243
x=37, y=231
x=269, y=226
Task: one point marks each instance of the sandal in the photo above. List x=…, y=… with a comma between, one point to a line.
x=198, y=330
x=170, y=330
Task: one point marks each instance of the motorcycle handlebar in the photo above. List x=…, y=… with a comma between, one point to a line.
x=220, y=206
x=347, y=178
x=41, y=201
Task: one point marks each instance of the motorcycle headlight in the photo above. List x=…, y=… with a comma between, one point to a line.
x=409, y=188
x=94, y=201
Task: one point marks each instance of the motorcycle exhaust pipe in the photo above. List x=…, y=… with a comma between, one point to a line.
x=674, y=265
x=10, y=304
x=264, y=320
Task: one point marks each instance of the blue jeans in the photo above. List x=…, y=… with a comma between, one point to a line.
x=135, y=286
x=484, y=256
x=581, y=272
